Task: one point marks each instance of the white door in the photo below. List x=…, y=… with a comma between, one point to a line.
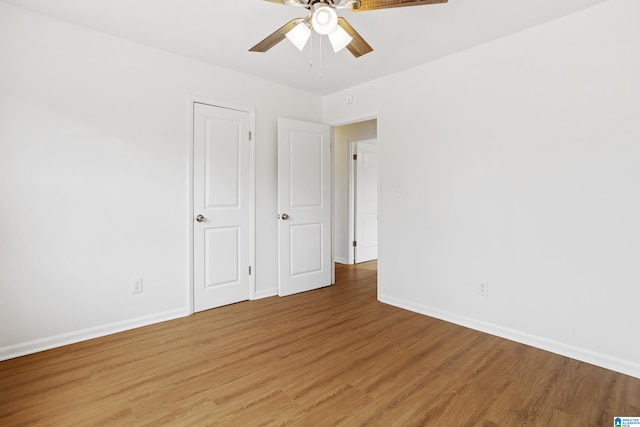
x=221, y=203
x=304, y=206
x=366, y=227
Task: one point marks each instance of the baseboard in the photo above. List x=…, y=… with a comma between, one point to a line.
x=341, y=260
x=266, y=293
x=604, y=361
x=35, y=346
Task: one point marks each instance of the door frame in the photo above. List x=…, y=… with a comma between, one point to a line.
x=353, y=149
x=252, y=190
x=375, y=115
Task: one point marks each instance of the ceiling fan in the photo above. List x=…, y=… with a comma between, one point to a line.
x=324, y=20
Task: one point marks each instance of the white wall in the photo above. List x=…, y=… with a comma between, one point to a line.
x=342, y=135
x=519, y=162
x=94, y=178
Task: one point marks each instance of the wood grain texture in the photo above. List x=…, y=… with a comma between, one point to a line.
x=358, y=45
x=334, y=356
x=276, y=37
x=388, y=4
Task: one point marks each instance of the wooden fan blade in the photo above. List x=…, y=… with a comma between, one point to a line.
x=276, y=37
x=292, y=2
x=358, y=45
x=387, y=4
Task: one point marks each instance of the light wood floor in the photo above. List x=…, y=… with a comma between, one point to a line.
x=326, y=357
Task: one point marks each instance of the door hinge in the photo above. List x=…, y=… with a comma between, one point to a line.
x=355, y=243
x=249, y=270
x=355, y=157
x=250, y=136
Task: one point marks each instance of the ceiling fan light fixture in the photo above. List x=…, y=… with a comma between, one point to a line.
x=299, y=35
x=324, y=20
x=339, y=39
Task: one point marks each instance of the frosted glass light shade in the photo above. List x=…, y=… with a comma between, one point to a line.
x=324, y=20
x=299, y=35
x=339, y=39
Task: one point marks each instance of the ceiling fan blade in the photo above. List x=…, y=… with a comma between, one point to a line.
x=358, y=45
x=303, y=3
x=387, y=4
x=276, y=37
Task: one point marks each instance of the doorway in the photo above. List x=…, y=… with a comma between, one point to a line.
x=345, y=139
x=364, y=200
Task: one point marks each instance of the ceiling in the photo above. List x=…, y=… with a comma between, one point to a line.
x=220, y=32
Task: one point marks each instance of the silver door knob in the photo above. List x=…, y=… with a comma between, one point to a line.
x=200, y=218
x=285, y=216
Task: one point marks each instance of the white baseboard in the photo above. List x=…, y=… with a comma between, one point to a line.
x=341, y=260
x=266, y=293
x=608, y=362
x=35, y=346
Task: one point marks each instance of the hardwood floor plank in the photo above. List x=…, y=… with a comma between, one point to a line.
x=173, y=402
x=417, y=389
x=334, y=356
x=334, y=407
x=258, y=409
x=532, y=397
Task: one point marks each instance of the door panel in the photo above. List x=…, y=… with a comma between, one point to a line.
x=305, y=178
x=223, y=164
x=221, y=197
x=306, y=249
x=224, y=254
x=304, y=205
x=366, y=202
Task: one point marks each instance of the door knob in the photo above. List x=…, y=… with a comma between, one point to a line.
x=285, y=216
x=200, y=218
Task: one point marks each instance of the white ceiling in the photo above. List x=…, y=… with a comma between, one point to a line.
x=220, y=32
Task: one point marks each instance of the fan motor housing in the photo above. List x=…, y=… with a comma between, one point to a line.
x=336, y=4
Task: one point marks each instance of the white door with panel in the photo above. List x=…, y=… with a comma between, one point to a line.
x=304, y=206
x=221, y=193
x=366, y=227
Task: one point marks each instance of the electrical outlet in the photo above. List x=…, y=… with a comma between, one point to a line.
x=136, y=285
x=483, y=289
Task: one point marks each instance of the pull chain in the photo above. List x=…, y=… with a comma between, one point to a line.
x=320, y=60
x=311, y=51
x=320, y=72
